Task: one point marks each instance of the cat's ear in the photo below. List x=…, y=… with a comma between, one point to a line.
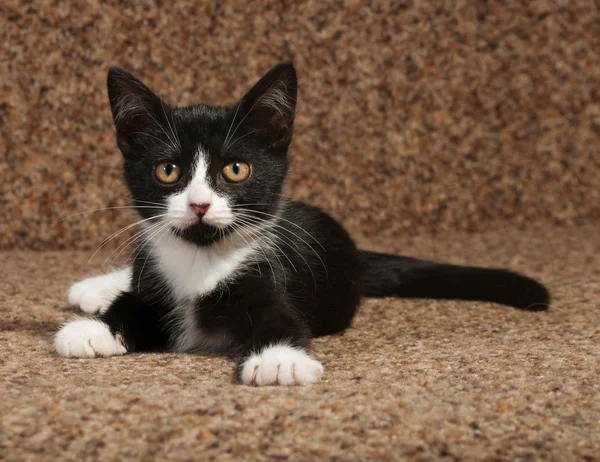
x=267, y=110
x=137, y=111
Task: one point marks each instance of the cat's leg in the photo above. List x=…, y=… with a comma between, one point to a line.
x=128, y=325
x=94, y=295
x=277, y=351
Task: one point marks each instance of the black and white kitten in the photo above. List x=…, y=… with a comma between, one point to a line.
x=226, y=264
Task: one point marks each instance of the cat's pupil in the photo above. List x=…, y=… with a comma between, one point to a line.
x=236, y=168
x=168, y=169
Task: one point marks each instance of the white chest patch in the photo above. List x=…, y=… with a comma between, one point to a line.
x=192, y=272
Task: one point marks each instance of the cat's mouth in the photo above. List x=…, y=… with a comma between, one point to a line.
x=201, y=232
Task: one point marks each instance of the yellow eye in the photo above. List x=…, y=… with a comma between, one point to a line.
x=236, y=172
x=167, y=172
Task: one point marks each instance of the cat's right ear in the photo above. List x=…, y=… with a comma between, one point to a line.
x=137, y=111
x=267, y=111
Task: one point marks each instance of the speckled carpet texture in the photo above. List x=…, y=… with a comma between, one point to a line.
x=461, y=131
x=421, y=380
x=416, y=115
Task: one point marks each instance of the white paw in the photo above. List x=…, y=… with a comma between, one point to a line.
x=281, y=365
x=94, y=295
x=87, y=338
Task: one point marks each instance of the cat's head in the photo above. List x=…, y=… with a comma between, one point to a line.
x=203, y=172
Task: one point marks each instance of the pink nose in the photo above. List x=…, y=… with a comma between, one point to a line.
x=200, y=209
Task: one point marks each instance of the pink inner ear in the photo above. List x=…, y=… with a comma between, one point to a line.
x=281, y=135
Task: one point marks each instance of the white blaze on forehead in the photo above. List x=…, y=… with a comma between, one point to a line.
x=198, y=191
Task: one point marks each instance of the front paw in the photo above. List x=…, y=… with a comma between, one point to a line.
x=94, y=295
x=87, y=338
x=280, y=365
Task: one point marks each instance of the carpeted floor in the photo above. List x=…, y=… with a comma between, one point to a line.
x=416, y=379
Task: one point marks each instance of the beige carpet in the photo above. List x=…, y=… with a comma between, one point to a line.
x=422, y=380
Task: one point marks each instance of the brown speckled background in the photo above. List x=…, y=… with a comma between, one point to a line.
x=413, y=115
x=417, y=123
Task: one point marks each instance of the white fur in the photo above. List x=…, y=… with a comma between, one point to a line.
x=198, y=191
x=277, y=98
x=125, y=107
x=194, y=271
x=87, y=338
x=281, y=365
x=94, y=295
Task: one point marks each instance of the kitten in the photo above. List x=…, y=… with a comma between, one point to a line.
x=225, y=263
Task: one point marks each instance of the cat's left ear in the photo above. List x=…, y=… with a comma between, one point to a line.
x=137, y=111
x=267, y=111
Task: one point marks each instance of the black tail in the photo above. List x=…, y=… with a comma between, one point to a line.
x=394, y=276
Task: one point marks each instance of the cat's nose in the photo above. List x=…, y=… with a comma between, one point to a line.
x=200, y=209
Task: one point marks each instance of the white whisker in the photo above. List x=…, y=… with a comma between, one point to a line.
x=292, y=245
x=171, y=140
x=231, y=125
x=161, y=230
x=139, y=234
x=119, y=207
x=285, y=220
x=120, y=231
x=173, y=131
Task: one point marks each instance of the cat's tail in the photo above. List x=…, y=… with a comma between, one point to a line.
x=395, y=276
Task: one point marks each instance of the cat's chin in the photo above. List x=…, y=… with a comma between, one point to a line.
x=201, y=234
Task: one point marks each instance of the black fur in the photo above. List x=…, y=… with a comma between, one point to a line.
x=390, y=275
x=314, y=285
